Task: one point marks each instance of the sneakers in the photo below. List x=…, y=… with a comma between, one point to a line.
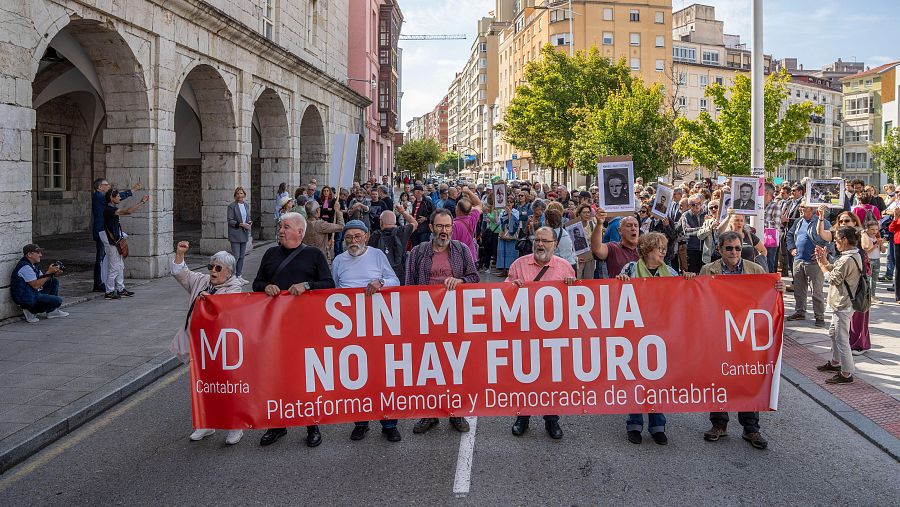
x=829, y=367
x=30, y=317
x=425, y=424
x=820, y=322
x=756, y=440
x=125, y=294
x=796, y=316
x=715, y=433
x=112, y=295
x=200, y=434
x=233, y=436
x=56, y=314
x=839, y=378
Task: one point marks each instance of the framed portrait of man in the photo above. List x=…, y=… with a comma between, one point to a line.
x=499, y=194
x=744, y=195
x=827, y=192
x=724, y=205
x=663, y=201
x=581, y=243
x=617, y=185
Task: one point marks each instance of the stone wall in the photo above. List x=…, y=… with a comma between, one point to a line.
x=188, y=191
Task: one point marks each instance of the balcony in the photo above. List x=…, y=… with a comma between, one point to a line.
x=812, y=140
x=815, y=118
x=809, y=162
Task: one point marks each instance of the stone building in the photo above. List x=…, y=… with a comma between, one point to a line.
x=190, y=98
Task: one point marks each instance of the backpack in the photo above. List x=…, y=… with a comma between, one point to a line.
x=861, y=297
x=870, y=215
x=394, y=248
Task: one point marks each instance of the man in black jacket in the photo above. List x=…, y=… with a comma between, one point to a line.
x=422, y=207
x=294, y=268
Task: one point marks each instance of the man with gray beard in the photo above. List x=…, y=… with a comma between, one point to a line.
x=361, y=266
x=540, y=265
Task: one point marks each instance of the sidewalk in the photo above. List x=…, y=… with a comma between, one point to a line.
x=58, y=374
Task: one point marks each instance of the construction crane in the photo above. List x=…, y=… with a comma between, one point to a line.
x=452, y=36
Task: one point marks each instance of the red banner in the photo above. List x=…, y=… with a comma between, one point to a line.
x=596, y=347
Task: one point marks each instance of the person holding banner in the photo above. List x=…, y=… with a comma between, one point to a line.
x=541, y=265
x=295, y=268
x=731, y=263
x=221, y=279
x=652, y=263
x=446, y=262
x=361, y=266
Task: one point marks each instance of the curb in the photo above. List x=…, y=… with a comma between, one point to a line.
x=851, y=417
x=80, y=412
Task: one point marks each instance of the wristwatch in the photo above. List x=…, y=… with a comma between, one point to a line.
x=306, y=286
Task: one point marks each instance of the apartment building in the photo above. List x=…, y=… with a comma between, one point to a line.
x=818, y=155
x=862, y=118
x=637, y=31
x=890, y=100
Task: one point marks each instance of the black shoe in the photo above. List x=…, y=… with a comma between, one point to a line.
x=459, y=424
x=521, y=424
x=425, y=424
x=272, y=435
x=838, y=378
x=125, y=294
x=829, y=367
x=660, y=438
x=820, y=322
x=392, y=434
x=553, y=429
x=796, y=316
x=112, y=295
x=313, y=437
x=359, y=432
x=634, y=436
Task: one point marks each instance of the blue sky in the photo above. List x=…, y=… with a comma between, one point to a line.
x=815, y=31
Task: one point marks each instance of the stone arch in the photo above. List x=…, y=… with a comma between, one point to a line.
x=270, y=163
x=313, y=150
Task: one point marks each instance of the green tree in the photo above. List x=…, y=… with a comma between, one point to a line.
x=632, y=122
x=449, y=162
x=723, y=144
x=541, y=117
x=414, y=156
x=887, y=154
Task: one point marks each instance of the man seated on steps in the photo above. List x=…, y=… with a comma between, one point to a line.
x=33, y=290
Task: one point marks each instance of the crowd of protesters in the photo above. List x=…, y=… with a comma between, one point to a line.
x=429, y=232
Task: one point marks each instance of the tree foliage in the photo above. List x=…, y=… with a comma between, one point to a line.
x=633, y=122
x=887, y=154
x=450, y=161
x=414, y=156
x=541, y=117
x=723, y=144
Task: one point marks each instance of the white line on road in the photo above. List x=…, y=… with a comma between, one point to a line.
x=463, y=478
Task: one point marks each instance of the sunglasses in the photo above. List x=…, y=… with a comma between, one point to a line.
x=713, y=207
x=731, y=248
x=214, y=267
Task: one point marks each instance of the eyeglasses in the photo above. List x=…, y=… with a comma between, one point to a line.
x=442, y=226
x=544, y=241
x=845, y=221
x=214, y=267
x=354, y=238
x=731, y=248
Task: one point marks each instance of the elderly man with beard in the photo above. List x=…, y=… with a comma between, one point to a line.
x=296, y=268
x=540, y=265
x=360, y=266
x=617, y=253
x=446, y=262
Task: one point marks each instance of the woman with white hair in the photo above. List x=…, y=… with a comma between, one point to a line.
x=220, y=280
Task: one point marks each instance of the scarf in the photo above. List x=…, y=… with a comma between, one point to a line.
x=642, y=271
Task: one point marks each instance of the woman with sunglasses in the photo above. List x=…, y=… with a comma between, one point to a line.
x=220, y=280
x=860, y=340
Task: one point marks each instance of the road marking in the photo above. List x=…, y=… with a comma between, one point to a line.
x=50, y=453
x=463, y=478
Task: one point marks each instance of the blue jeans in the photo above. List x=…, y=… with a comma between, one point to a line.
x=338, y=243
x=98, y=262
x=238, y=250
x=890, y=260
x=385, y=423
x=48, y=299
x=772, y=258
x=656, y=422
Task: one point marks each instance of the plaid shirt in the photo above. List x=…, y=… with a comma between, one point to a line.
x=418, y=263
x=772, y=215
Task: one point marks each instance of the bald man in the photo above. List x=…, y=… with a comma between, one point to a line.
x=393, y=239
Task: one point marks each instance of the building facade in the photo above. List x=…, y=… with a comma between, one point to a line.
x=818, y=155
x=189, y=98
x=373, y=67
x=862, y=119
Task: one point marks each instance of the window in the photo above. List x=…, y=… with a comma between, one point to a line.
x=562, y=39
x=660, y=65
x=660, y=41
x=312, y=21
x=607, y=38
x=268, y=19
x=704, y=104
x=861, y=105
x=482, y=63
x=607, y=14
x=482, y=78
x=710, y=58
x=704, y=80
x=482, y=95
x=634, y=15
x=53, y=162
x=559, y=15
x=682, y=102
x=482, y=47
x=682, y=78
x=684, y=54
x=635, y=64
x=720, y=81
x=660, y=18
x=635, y=39
x=383, y=57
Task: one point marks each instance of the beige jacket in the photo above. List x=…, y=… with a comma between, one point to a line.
x=715, y=268
x=318, y=234
x=195, y=283
x=843, y=270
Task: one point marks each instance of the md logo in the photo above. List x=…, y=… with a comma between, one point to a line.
x=222, y=341
x=750, y=324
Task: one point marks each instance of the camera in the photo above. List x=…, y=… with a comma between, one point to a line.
x=59, y=265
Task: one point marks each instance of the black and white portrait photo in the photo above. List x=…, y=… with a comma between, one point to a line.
x=618, y=186
x=580, y=240
x=744, y=195
x=663, y=201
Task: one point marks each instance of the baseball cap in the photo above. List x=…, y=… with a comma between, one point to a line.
x=31, y=247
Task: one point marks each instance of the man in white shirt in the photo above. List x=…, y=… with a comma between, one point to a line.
x=361, y=266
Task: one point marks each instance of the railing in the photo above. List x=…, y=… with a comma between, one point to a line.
x=812, y=162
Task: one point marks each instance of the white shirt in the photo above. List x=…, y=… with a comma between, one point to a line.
x=243, y=212
x=353, y=272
